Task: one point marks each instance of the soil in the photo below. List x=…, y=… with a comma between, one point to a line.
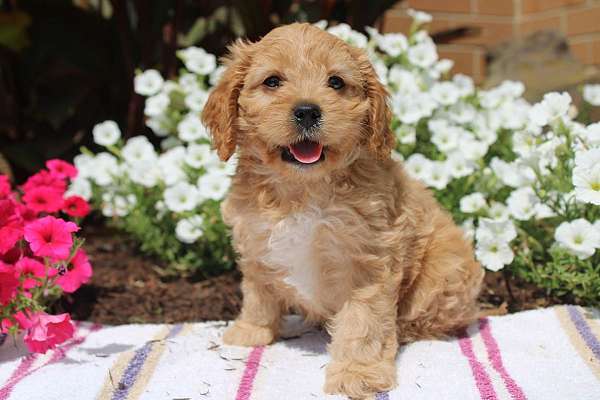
x=126, y=288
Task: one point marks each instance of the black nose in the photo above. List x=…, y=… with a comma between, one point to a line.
x=307, y=115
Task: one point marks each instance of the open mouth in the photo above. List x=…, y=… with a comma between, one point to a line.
x=306, y=152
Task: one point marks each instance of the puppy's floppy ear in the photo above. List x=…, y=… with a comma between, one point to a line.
x=380, y=138
x=221, y=109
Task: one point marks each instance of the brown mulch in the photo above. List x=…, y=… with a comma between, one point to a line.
x=126, y=289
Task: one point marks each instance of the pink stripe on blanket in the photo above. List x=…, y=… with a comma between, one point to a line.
x=24, y=369
x=491, y=345
x=482, y=379
x=252, y=364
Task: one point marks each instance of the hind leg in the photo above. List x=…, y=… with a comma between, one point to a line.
x=443, y=299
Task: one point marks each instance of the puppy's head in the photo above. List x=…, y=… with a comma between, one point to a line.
x=300, y=102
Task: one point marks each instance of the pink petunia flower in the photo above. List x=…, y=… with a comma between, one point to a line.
x=31, y=271
x=48, y=331
x=11, y=226
x=8, y=283
x=26, y=214
x=45, y=178
x=5, y=189
x=76, y=206
x=21, y=320
x=61, y=169
x=13, y=255
x=50, y=237
x=78, y=275
x=43, y=199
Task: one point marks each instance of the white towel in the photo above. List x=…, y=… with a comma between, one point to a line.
x=545, y=354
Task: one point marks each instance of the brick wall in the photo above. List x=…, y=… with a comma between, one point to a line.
x=501, y=20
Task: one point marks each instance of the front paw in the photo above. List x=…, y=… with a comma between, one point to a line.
x=243, y=333
x=359, y=381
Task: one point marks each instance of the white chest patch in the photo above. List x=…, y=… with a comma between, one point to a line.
x=291, y=249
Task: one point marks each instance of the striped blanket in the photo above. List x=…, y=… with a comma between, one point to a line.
x=544, y=354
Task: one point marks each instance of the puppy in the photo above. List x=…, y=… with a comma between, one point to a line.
x=324, y=221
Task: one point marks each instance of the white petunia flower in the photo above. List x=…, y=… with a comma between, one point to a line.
x=321, y=24
x=597, y=226
x=490, y=99
x=587, y=184
x=213, y=185
x=557, y=104
x=442, y=67
x=419, y=17
x=587, y=159
x=498, y=211
x=215, y=76
x=405, y=82
x=522, y=203
x=381, y=70
x=472, y=149
x=438, y=175
x=591, y=134
x=472, y=203
x=106, y=133
x=458, y=165
x=418, y=166
x=423, y=54
x=198, y=60
x=578, y=237
x=504, y=230
x=197, y=155
x=468, y=228
x=445, y=93
x=138, y=149
x=148, y=83
x=543, y=211
x=190, y=229
x=145, y=173
x=84, y=164
x=191, y=129
x=345, y=32
x=117, y=205
x=494, y=253
x=181, y=197
x=393, y=44
x=462, y=113
x=81, y=187
x=397, y=156
x=553, y=106
x=512, y=174
x=591, y=94
x=446, y=139
x=410, y=109
x=105, y=168
x=159, y=125
x=511, y=89
x=171, y=164
x=524, y=143
x=464, y=84
x=406, y=134
x=156, y=105
x=196, y=100
x=538, y=115
x=189, y=83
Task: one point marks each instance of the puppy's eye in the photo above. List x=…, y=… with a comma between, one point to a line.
x=335, y=82
x=272, y=81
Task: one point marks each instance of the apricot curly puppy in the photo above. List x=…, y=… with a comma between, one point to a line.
x=325, y=222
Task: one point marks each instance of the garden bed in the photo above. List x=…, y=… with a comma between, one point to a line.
x=126, y=288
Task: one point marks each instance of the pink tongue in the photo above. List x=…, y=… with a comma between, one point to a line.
x=306, y=152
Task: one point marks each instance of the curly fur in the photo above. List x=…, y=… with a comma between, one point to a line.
x=351, y=242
